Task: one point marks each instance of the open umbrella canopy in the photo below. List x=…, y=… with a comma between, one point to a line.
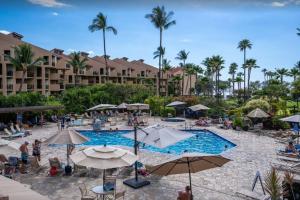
x=294, y=118
x=102, y=106
x=9, y=148
x=104, y=157
x=193, y=162
x=122, y=106
x=159, y=136
x=138, y=106
x=67, y=136
x=258, y=113
x=198, y=107
x=188, y=163
x=176, y=103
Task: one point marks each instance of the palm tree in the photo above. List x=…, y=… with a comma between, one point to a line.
x=239, y=80
x=216, y=63
x=77, y=63
x=162, y=20
x=191, y=69
x=298, y=33
x=294, y=72
x=281, y=73
x=23, y=60
x=176, y=80
x=159, y=52
x=243, y=46
x=100, y=24
x=264, y=70
x=166, y=66
x=272, y=184
x=232, y=70
x=250, y=64
x=182, y=55
x=297, y=65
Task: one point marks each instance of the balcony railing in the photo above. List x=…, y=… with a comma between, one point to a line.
x=10, y=87
x=30, y=87
x=9, y=73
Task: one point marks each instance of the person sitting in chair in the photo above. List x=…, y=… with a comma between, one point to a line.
x=290, y=148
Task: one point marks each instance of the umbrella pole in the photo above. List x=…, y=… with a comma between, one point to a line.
x=190, y=177
x=68, y=154
x=136, y=182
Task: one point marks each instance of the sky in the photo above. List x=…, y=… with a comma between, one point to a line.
x=203, y=28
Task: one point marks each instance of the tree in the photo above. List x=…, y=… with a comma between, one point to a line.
x=232, y=71
x=166, y=66
x=298, y=33
x=243, y=46
x=23, y=60
x=294, y=72
x=216, y=63
x=100, y=24
x=239, y=80
x=250, y=64
x=182, y=55
x=159, y=52
x=77, y=63
x=281, y=73
x=162, y=20
x=264, y=70
x=176, y=81
x=272, y=184
x=191, y=69
x=297, y=65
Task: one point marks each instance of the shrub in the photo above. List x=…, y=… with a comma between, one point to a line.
x=238, y=122
x=275, y=123
x=164, y=111
x=156, y=103
x=190, y=100
x=256, y=103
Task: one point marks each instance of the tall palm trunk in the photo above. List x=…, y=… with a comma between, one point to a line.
x=183, y=74
x=233, y=83
x=76, y=77
x=244, y=75
x=23, y=79
x=249, y=74
x=105, y=56
x=159, y=62
x=190, y=84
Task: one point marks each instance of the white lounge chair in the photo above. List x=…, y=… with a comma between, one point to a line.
x=13, y=129
x=11, y=135
x=22, y=129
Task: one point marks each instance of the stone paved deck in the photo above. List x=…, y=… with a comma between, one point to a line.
x=252, y=153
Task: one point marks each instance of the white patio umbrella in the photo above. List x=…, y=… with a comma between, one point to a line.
x=188, y=163
x=293, y=119
x=198, y=107
x=102, y=106
x=176, y=103
x=138, y=106
x=9, y=147
x=258, y=113
x=122, y=106
x=104, y=157
x=159, y=136
x=67, y=137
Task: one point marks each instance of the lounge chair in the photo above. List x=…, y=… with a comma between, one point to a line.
x=11, y=135
x=85, y=194
x=27, y=132
x=54, y=162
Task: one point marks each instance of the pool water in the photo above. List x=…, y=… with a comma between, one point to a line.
x=202, y=142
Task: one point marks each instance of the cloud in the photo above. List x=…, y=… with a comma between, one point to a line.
x=186, y=40
x=48, y=3
x=91, y=53
x=278, y=4
x=70, y=51
x=55, y=14
x=4, y=32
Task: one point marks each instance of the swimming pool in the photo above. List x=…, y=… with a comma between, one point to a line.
x=202, y=142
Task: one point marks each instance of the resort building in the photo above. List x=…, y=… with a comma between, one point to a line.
x=54, y=74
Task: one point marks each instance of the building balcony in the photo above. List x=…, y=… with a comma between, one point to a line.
x=24, y=86
x=10, y=87
x=9, y=73
x=54, y=76
x=30, y=86
x=85, y=82
x=55, y=87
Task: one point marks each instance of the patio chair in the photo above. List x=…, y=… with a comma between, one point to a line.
x=85, y=194
x=11, y=135
x=54, y=162
x=19, y=129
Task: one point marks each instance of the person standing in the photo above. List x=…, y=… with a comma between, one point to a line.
x=24, y=156
x=36, y=149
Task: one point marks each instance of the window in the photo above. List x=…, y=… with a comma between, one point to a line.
x=70, y=79
x=142, y=73
x=46, y=60
x=101, y=71
x=6, y=55
x=123, y=72
x=39, y=84
x=68, y=66
x=0, y=69
x=39, y=72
